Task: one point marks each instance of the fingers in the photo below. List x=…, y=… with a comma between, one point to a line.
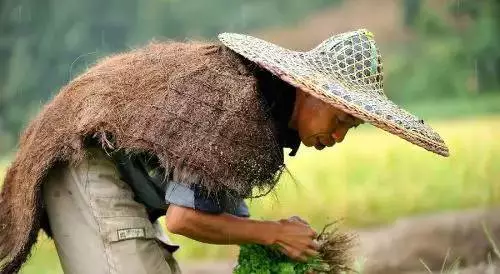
x=293, y=253
x=302, y=221
x=311, y=253
x=298, y=255
x=297, y=239
x=297, y=218
x=314, y=245
x=314, y=234
x=300, y=252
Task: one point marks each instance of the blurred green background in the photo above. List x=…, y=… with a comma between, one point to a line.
x=441, y=61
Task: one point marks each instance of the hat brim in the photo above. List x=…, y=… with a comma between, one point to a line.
x=295, y=68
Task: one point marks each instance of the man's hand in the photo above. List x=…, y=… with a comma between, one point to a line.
x=296, y=239
x=294, y=235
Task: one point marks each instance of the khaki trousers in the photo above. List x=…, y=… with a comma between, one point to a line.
x=98, y=227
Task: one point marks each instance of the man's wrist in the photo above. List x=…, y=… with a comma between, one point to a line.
x=268, y=233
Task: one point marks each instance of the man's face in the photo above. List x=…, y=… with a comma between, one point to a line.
x=319, y=124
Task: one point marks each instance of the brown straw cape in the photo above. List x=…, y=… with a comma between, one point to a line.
x=195, y=106
x=345, y=71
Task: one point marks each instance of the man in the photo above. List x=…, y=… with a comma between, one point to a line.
x=186, y=130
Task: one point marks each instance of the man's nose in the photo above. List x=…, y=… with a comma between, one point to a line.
x=339, y=134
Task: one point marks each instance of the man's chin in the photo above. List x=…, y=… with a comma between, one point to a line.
x=314, y=143
x=319, y=146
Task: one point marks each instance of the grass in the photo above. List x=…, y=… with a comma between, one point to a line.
x=371, y=178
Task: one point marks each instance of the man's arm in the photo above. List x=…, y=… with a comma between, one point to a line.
x=294, y=237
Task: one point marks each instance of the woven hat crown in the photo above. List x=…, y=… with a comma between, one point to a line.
x=353, y=59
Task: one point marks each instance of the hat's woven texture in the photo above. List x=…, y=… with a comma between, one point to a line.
x=345, y=71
